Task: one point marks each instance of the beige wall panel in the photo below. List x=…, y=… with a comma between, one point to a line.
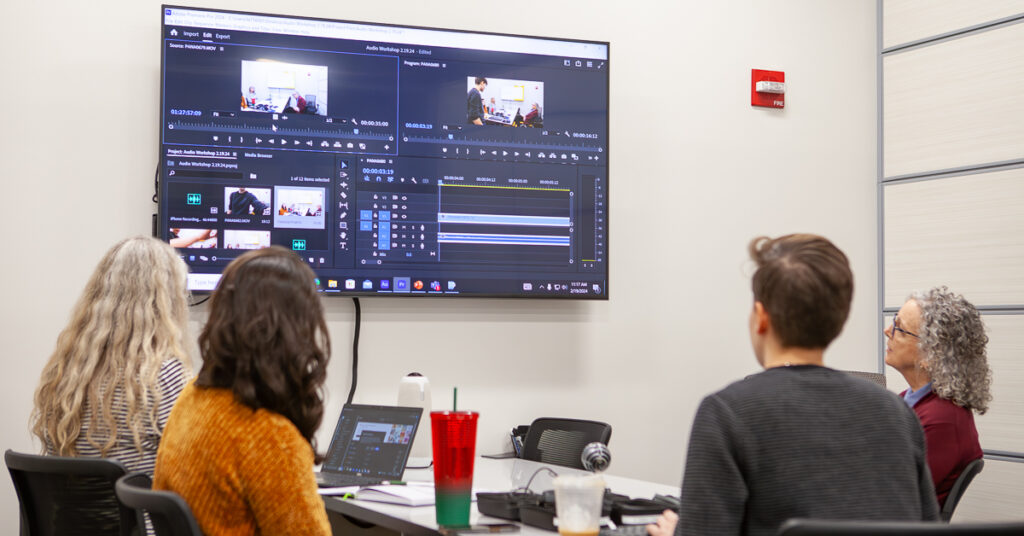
x=955, y=103
x=1002, y=427
x=995, y=495
x=965, y=232
x=911, y=20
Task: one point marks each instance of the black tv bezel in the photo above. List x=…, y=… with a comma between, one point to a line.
x=604, y=296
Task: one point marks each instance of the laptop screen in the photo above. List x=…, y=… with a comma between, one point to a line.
x=373, y=440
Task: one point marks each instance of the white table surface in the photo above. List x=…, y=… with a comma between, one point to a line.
x=488, y=475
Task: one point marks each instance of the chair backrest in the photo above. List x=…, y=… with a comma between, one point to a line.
x=959, y=487
x=168, y=512
x=561, y=441
x=822, y=527
x=60, y=495
x=876, y=377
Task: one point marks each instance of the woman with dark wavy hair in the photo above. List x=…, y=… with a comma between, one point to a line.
x=937, y=342
x=239, y=444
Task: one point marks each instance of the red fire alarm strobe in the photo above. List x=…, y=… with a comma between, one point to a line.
x=767, y=88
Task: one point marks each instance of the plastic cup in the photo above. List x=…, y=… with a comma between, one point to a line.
x=578, y=501
x=454, y=440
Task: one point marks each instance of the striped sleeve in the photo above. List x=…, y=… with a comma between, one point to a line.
x=171, y=381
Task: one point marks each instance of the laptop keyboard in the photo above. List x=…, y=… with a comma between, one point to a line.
x=327, y=480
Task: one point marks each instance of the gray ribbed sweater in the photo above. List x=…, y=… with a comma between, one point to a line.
x=802, y=441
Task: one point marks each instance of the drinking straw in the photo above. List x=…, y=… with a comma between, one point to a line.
x=455, y=399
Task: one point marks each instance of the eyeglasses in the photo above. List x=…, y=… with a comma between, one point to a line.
x=896, y=327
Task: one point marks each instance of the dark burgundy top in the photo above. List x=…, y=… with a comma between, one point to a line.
x=951, y=440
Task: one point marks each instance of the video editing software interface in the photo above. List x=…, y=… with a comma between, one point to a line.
x=372, y=440
x=394, y=160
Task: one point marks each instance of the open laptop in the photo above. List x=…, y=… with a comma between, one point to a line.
x=371, y=444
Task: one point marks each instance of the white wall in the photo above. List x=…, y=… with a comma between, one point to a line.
x=695, y=174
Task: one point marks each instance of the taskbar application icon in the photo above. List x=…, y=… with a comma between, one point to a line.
x=409, y=284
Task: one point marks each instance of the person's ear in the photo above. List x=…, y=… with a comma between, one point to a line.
x=761, y=319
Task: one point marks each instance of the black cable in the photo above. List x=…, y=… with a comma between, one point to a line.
x=534, y=475
x=355, y=351
x=202, y=301
x=156, y=183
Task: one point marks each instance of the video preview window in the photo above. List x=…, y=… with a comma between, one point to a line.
x=193, y=238
x=299, y=207
x=237, y=239
x=504, y=102
x=247, y=201
x=275, y=87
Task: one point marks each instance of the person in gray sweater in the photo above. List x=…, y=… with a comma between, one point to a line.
x=800, y=439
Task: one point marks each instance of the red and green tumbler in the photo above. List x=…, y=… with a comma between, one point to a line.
x=454, y=451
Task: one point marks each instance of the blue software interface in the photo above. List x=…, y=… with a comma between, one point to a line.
x=394, y=160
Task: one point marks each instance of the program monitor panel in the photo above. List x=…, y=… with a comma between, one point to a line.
x=396, y=161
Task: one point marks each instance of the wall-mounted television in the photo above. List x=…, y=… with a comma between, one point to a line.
x=396, y=160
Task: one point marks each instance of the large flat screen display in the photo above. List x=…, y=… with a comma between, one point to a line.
x=396, y=160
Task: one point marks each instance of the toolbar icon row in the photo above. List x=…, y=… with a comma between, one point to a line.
x=535, y=155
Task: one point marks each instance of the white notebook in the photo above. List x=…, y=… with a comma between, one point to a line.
x=413, y=494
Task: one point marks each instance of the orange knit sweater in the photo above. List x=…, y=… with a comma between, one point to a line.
x=242, y=472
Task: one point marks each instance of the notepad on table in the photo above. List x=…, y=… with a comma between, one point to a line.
x=408, y=495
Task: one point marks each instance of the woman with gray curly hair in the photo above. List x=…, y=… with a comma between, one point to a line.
x=937, y=342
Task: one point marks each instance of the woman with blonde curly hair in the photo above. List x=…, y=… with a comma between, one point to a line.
x=121, y=362
x=937, y=342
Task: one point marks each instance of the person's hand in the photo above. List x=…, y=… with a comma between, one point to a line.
x=665, y=526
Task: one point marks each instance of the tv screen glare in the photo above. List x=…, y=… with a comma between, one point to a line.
x=395, y=160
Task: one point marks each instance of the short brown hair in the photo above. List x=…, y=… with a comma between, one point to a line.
x=266, y=338
x=805, y=284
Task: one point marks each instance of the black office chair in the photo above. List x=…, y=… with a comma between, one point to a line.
x=61, y=495
x=821, y=527
x=561, y=441
x=168, y=512
x=959, y=487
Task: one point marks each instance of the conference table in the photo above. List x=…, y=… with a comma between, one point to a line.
x=489, y=474
x=498, y=119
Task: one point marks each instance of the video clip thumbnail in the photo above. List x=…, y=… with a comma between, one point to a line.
x=247, y=201
x=278, y=87
x=299, y=207
x=193, y=238
x=504, y=102
x=238, y=239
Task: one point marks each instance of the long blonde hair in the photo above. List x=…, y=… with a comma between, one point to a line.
x=132, y=316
